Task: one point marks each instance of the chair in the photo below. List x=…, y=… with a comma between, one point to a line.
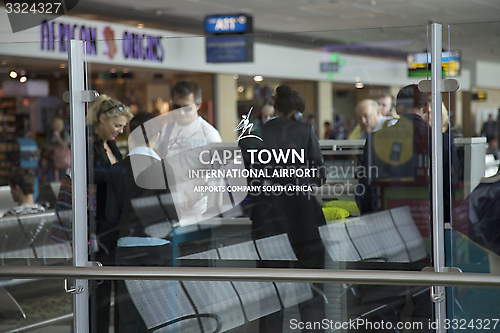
x=9, y=307
x=15, y=243
x=213, y=306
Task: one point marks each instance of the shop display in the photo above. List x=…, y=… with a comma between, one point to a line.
x=7, y=116
x=18, y=152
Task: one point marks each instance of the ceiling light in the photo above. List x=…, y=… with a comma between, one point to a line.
x=359, y=85
x=13, y=74
x=241, y=89
x=112, y=70
x=23, y=79
x=258, y=78
x=4, y=62
x=236, y=76
x=140, y=25
x=125, y=70
x=63, y=65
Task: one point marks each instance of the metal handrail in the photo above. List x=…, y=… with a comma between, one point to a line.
x=377, y=277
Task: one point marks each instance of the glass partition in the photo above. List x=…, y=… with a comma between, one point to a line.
x=473, y=237
x=221, y=180
x=233, y=169
x=205, y=177
x=34, y=157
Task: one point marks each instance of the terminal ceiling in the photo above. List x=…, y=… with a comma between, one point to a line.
x=365, y=27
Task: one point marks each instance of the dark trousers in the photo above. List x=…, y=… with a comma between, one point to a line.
x=310, y=255
x=129, y=319
x=100, y=302
x=100, y=297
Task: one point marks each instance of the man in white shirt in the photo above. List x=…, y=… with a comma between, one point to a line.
x=388, y=106
x=182, y=141
x=22, y=186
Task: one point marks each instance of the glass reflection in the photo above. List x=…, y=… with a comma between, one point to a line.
x=34, y=157
x=473, y=238
x=192, y=194
x=393, y=235
x=205, y=306
x=372, y=240
x=27, y=303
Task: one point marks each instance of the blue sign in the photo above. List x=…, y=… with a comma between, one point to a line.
x=228, y=24
x=237, y=48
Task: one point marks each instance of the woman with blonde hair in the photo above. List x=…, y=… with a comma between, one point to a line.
x=107, y=119
x=446, y=118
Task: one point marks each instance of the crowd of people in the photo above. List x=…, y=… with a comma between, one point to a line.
x=118, y=224
x=122, y=225
x=135, y=200
x=373, y=114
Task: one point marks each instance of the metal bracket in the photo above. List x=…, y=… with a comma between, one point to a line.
x=80, y=289
x=86, y=96
x=436, y=297
x=445, y=269
x=447, y=85
x=73, y=289
x=89, y=96
x=93, y=264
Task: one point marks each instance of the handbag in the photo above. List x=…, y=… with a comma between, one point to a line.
x=61, y=157
x=61, y=231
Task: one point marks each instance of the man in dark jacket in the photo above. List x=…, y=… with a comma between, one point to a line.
x=396, y=172
x=401, y=153
x=288, y=206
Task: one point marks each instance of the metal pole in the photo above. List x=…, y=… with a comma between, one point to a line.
x=79, y=180
x=377, y=277
x=437, y=171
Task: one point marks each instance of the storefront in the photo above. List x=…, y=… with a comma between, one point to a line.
x=145, y=57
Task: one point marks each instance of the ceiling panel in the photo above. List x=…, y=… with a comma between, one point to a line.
x=359, y=20
x=489, y=3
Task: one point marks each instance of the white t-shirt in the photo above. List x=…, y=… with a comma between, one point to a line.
x=182, y=152
x=196, y=134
